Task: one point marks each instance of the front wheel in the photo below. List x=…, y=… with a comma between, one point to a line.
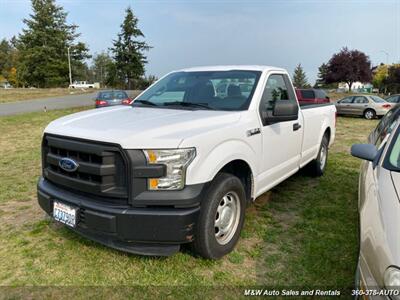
x=221, y=217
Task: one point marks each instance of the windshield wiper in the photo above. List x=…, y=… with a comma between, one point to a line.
x=189, y=104
x=145, y=102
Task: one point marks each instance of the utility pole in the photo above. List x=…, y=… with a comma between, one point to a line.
x=387, y=56
x=69, y=66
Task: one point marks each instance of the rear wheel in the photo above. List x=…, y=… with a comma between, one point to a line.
x=369, y=114
x=221, y=217
x=318, y=165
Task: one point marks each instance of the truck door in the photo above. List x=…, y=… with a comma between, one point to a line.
x=281, y=141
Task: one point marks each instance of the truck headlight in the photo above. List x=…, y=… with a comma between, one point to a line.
x=176, y=162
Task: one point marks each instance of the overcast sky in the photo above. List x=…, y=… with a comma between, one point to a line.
x=193, y=33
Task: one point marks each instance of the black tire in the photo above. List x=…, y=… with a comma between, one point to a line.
x=369, y=114
x=318, y=165
x=205, y=242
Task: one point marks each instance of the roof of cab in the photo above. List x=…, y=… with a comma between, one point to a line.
x=233, y=67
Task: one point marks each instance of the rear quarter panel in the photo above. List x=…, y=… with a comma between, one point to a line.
x=317, y=119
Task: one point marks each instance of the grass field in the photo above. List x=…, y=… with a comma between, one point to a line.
x=14, y=95
x=303, y=233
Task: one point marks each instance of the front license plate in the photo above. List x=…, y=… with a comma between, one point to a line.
x=64, y=213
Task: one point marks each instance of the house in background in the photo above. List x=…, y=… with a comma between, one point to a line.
x=357, y=87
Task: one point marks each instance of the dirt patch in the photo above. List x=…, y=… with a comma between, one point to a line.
x=15, y=214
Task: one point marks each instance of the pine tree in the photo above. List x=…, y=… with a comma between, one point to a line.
x=129, y=51
x=300, y=78
x=322, y=71
x=43, y=60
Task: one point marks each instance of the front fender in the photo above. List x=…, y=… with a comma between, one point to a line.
x=208, y=163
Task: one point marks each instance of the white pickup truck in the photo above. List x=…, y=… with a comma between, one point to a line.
x=84, y=85
x=181, y=163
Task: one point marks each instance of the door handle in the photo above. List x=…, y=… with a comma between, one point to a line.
x=296, y=126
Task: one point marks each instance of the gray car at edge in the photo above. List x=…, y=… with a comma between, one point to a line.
x=378, y=268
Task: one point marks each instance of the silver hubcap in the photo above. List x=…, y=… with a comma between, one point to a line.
x=227, y=218
x=369, y=114
x=322, y=157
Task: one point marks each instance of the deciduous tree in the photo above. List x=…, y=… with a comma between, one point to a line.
x=349, y=66
x=104, y=70
x=8, y=60
x=380, y=76
x=393, y=79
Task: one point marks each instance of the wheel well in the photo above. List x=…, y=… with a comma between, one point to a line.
x=327, y=133
x=369, y=108
x=242, y=170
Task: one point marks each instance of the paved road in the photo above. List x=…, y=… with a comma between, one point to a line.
x=48, y=103
x=51, y=103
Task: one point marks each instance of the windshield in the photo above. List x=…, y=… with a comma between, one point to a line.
x=112, y=95
x=221, y=90
x=377, y=99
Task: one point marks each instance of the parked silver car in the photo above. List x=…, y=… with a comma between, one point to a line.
x=379, y=208
x=395, y=99
x=368, y=106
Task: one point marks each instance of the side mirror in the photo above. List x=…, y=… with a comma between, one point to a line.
x=367, y=152
x=284, y=111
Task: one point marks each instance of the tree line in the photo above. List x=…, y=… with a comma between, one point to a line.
x=351, y=66
x=38, y=56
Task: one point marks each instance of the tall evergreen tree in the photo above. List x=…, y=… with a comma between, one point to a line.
x=299, y=77
x=43, y=60
x=322, y=71
x=129, y=50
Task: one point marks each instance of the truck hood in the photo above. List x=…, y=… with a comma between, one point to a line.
x=141, y=127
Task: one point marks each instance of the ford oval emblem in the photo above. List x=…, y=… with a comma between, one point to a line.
x=68, y=165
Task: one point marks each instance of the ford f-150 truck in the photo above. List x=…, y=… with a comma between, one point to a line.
x=182, y=163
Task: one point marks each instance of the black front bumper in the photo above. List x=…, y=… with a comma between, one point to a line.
x=154, y=230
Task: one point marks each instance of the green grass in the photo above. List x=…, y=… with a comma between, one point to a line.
x=19, y=94
x=302, y=233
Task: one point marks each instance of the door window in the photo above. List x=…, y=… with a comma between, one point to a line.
x=393, y=99
x=360, y=100
x=320, y=94
x=347, y=100
x=277, y=89
x=307, y=94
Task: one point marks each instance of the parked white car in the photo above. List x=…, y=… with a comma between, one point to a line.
x=181, y=164
x=84, y=85
x=6, y=85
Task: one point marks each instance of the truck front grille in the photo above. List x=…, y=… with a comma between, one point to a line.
x=102, y=169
